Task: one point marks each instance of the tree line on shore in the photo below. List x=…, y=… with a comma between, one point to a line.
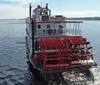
x=83, y=18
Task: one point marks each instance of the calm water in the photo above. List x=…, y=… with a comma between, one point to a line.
x=12, y=49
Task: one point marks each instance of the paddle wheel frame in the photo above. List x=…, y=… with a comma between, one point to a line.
x=56, y=52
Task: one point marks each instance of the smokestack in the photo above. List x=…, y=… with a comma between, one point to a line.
x=47, y=6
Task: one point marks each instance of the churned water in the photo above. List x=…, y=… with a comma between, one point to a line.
x=13, y=66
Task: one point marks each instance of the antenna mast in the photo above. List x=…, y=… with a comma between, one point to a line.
x=41, y=3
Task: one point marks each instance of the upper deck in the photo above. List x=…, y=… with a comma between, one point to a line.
x=58, y=28
x=52, y=26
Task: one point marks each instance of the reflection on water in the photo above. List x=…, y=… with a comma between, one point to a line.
x=13, y=68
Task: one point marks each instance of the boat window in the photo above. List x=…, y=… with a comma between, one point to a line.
x=48, y=26
x=39, y=26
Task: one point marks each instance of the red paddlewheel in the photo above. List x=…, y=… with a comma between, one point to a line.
x=58, y=52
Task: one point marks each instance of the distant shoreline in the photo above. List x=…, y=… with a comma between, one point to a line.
x=71, y=18
x=84, y=18
x=13, y=19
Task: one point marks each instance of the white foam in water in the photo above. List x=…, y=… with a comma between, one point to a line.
x=96, y=74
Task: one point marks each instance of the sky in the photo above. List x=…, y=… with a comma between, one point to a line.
x=15, y=9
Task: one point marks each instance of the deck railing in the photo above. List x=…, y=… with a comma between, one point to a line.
x=72, y=28
x=66, y=32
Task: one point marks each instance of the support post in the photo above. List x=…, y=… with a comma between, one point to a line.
x=33, y=27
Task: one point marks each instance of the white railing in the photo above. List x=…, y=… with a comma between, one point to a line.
x=73, y=32
x=66, y=32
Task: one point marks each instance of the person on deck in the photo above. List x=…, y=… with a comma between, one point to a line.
x=60, y=29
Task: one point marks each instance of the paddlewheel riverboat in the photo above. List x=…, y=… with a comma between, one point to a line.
x=57, y=53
